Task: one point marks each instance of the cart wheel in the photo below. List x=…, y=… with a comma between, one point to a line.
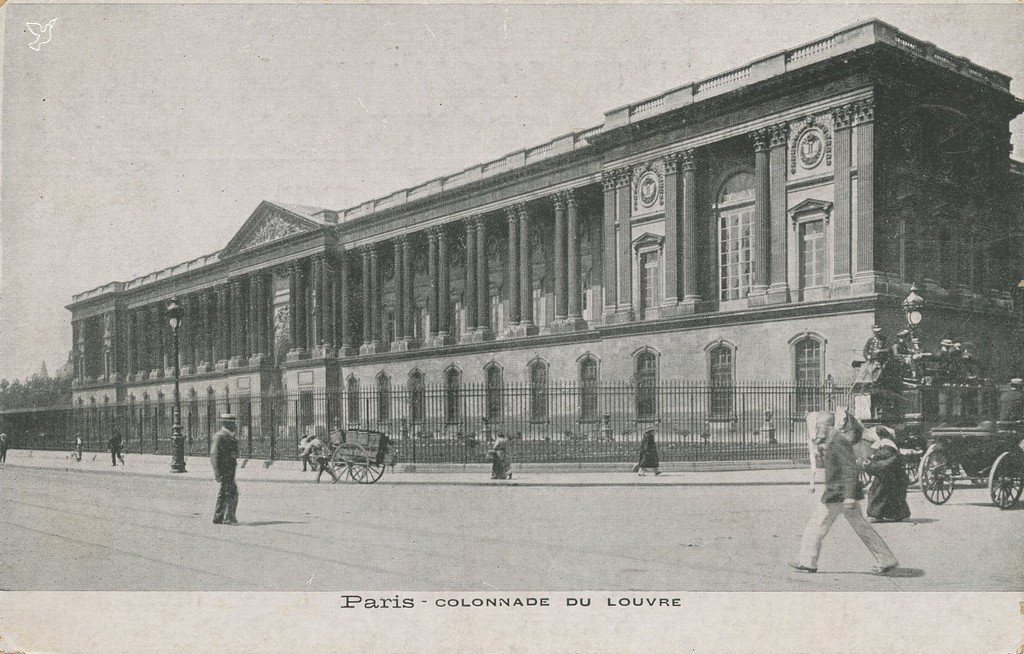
x=374, y=472
x=1006, y=480
x=936, y=476
x=358, y=472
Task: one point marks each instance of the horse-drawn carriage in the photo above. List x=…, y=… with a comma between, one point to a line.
x=361, y=455
x=943, y=413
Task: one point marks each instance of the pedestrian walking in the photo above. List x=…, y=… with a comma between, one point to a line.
x=842, y=497
x=115, y=448
x=3, y=448
x=648, y=454
x=78, y=447
x=887, y=496
x=304, y=452
x=501, y=464
x=224, y=457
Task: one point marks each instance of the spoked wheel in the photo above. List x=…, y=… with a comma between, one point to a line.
x=359, y=473
x=373, y=473
x=1006, y=480
x=936, y=476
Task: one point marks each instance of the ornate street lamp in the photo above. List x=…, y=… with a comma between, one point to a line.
x=913, y=306
x=173, y=313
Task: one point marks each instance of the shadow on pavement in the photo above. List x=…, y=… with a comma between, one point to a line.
x=1016, y=507
x=914, y=521
x=266, y=523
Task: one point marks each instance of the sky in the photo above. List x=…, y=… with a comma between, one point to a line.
x=144, y=135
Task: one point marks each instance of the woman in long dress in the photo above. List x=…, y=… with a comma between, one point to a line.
x=887, y=497
x=648, y=454
x=501, y=464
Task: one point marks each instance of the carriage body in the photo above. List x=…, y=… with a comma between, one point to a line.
x=988, y=452
x=361, y=455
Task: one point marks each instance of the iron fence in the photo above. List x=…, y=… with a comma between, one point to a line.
x=556, y=422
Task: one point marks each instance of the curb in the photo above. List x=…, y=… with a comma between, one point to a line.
x=384, y=481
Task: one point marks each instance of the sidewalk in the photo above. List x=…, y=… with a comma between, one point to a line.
x=681, y=473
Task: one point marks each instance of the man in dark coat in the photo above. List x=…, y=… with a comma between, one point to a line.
x=1011, y=404
x=648, y=454
x=3, y=448
x=115, y=449
x=842, y=497
x=224, y=457
x=887, y=497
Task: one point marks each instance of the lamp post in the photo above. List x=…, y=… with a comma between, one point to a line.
x=913, y=305
x=173, y=313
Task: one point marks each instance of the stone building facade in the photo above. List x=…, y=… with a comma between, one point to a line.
x=750, y=226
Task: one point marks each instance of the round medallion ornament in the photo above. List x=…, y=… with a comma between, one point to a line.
x=811, y=148
x=648, y=189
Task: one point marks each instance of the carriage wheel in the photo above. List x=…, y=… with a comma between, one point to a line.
x=373, y=473
x=359, y=473
x=1006, y=480
x=936, y=476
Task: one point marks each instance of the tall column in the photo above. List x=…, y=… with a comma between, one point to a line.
x=301, y=309
x=78, y=336
x=377, y=306
x=237, y=320
x=842, y=119
x=344, y=297
x=409, y=290
x=108, y=345
x=366, y=347
x=469, y=296
x=256, y=322
x=574, y=315
x=443, y=289
x=527, y=326
x=691, y=296
x=223, y=328
x=432, y=273
x=328, y=322
x=131, y=359
x=186, y=333
x=561, y=307
x=611, y=295
x=398, y=265
x=483, y=282
x=762, y=214
x=316, y=303
x=778, y=292
x=671, y=297
x=512, y=268
x=206, y=338
x=623, y=212
x=864, y=120
x=164, y=344
x=156, y=342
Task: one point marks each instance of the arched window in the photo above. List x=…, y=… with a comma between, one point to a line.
x=735, y=210
x=417, y=396
x=588, y=388
x=720, y=376
x=539, y=391
x=646, y=378
x=494, y=387
x=352, y=390
x=807, y=369
x=452, y=395
x=383, y=397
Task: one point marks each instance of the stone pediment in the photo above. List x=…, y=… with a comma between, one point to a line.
x=269, y=223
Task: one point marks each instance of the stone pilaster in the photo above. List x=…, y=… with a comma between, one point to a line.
x=470, y=295
x=443, y=290
x=432, y=273
x=156, y=342
x=526, y=325
x=778, y=291
x=691, y=296
x=328, y=314
x=574, y=315
x=316, y=302
x=611, y=295
x=561, y=306
x=344, y=325
x=762, y=216
x=398, y=266
x=367, y=346
x=842, y=119
x=864, y=121
x=238, y=356
x=223, y=353
x=187, y=333
x=623, y=212
x=257, y=323
x=408, y=291
x=483, y=284
x=671, y=248
x=131, y=353
x=512, y=268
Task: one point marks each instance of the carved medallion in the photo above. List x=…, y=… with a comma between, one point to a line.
x=649, y=188
x=811, y=148
x=810, y=145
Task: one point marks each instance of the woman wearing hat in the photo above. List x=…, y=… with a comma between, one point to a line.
x=887, y=497
x=648, y=454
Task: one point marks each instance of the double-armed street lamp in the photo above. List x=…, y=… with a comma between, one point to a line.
x=173, y=313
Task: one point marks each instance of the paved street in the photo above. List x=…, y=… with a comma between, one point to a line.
x=78, y=531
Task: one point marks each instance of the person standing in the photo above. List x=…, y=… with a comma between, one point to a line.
x=842, y=497
x=319, y=455
x=224, y=457
x=78, y=446
x=500, y=463
x=304, y=452
x=3, y=448
x=648, y=454
x=115, y=449
x=887, y=497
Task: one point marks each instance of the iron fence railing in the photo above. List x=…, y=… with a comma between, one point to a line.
x=556, y=422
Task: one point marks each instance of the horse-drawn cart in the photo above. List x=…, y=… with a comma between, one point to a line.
x=361, y=456
x=974, y=454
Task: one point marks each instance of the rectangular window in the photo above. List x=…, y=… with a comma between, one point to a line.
x=736, y=256
x=812, y=254
x=650, y=280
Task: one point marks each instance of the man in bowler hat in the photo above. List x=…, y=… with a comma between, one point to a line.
x=224, y=457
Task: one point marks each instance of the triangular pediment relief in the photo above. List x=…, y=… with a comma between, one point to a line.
x=811, y=206
x=269, y=223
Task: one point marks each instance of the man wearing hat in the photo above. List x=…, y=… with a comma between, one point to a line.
x=1011, y=404
x=224, y=457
